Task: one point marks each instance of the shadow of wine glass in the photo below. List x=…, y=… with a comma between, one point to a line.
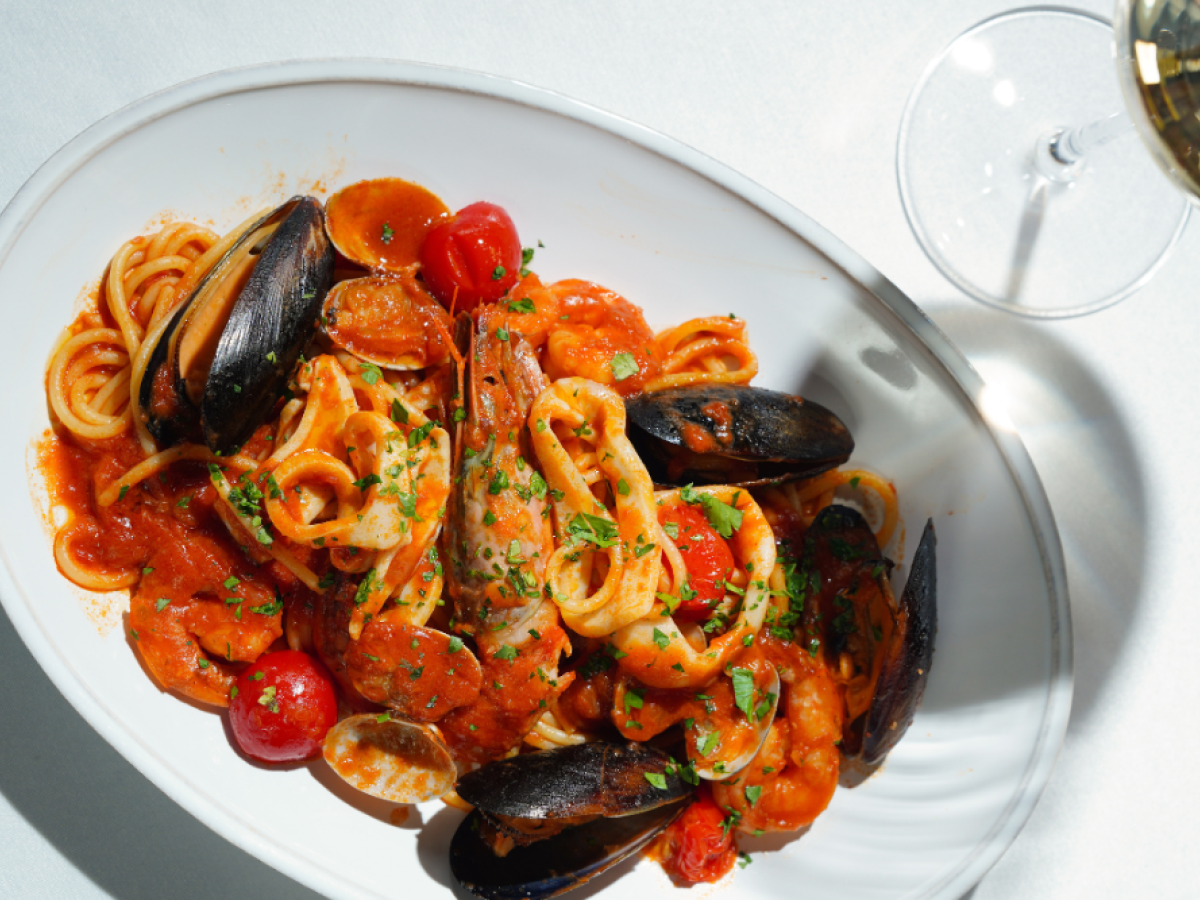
x=1089, y=468
x=115, y=827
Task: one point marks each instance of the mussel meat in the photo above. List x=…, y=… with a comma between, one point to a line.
x=221, y=361
x=851, y=616
x=546, y=822
x=734, y=434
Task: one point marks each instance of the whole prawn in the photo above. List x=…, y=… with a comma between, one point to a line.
x=498, y=539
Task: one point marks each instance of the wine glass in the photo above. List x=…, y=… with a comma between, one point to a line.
x=1015, y=170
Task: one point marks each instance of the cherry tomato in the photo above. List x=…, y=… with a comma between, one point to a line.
x=476, y=253
x=708, y=558
x=696, y=846
x=281, y=707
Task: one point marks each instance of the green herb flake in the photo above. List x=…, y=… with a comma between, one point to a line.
x=724, y=518
x=387, y=234
x=267, y=698
x=624, y=366
x=657, y=779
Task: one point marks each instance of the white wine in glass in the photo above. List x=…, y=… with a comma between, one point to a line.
x=1016, y=171
x=1158, y=61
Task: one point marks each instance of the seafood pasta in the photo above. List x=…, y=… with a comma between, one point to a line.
x=395, y=502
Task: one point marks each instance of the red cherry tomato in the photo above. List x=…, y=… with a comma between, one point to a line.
x=473, y=257
x=696, y=846
x=708, y=558
x=281, y=707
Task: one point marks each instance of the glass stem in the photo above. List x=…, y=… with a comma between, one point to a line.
x=1060, y=155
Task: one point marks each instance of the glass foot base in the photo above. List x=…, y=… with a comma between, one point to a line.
x=987, y=219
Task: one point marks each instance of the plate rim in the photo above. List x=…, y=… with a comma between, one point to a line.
x=45, y=181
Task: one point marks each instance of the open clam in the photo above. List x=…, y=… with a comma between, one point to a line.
x=392, y=322
x=389, y=318
x=222, y=359
x=380, y=223
x=390, y=758
x=734, y=434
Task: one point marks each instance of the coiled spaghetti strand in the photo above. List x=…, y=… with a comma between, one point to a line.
x=709, y=349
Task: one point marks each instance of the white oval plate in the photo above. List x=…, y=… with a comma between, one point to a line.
x=673, y=231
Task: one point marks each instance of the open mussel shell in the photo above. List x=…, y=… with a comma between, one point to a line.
x=223, y=360
x=905, y=668
x=557, y=864
x=380, y=223
x=596, y=778
x=734, y=434
x=389, y=758
x=851, y=607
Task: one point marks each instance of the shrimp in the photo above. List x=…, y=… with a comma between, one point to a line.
x=498, y=527
x=499, y=539
x=601, y=336
x=189, y=643
x=793, y=777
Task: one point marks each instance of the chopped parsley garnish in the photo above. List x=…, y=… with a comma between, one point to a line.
x=498, y=273
x=593, y=529
x=267, y=699
x=399, y=412
x=657, y=779
x=369, y=372
x=743, y=691
x=367, y=480
x=624, y=366
x=419, y=434
x=387, y=234
x=524, y=305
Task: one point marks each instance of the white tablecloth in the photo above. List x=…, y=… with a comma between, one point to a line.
x=805, y=98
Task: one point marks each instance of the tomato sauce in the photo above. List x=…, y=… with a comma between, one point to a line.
x=197, y=589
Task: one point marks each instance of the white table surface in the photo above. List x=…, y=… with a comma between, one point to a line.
x=804, y=97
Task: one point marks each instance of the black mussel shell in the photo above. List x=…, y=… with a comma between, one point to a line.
x=850, y=608
x=273, y=320
x=734, y=434
x=253, y=341
x=596, y=778
x=557, y=864
x=906, y=663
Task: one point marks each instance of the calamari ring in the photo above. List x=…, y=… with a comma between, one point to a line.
x=627, y=593
x=377, y=524
x=676, y=663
